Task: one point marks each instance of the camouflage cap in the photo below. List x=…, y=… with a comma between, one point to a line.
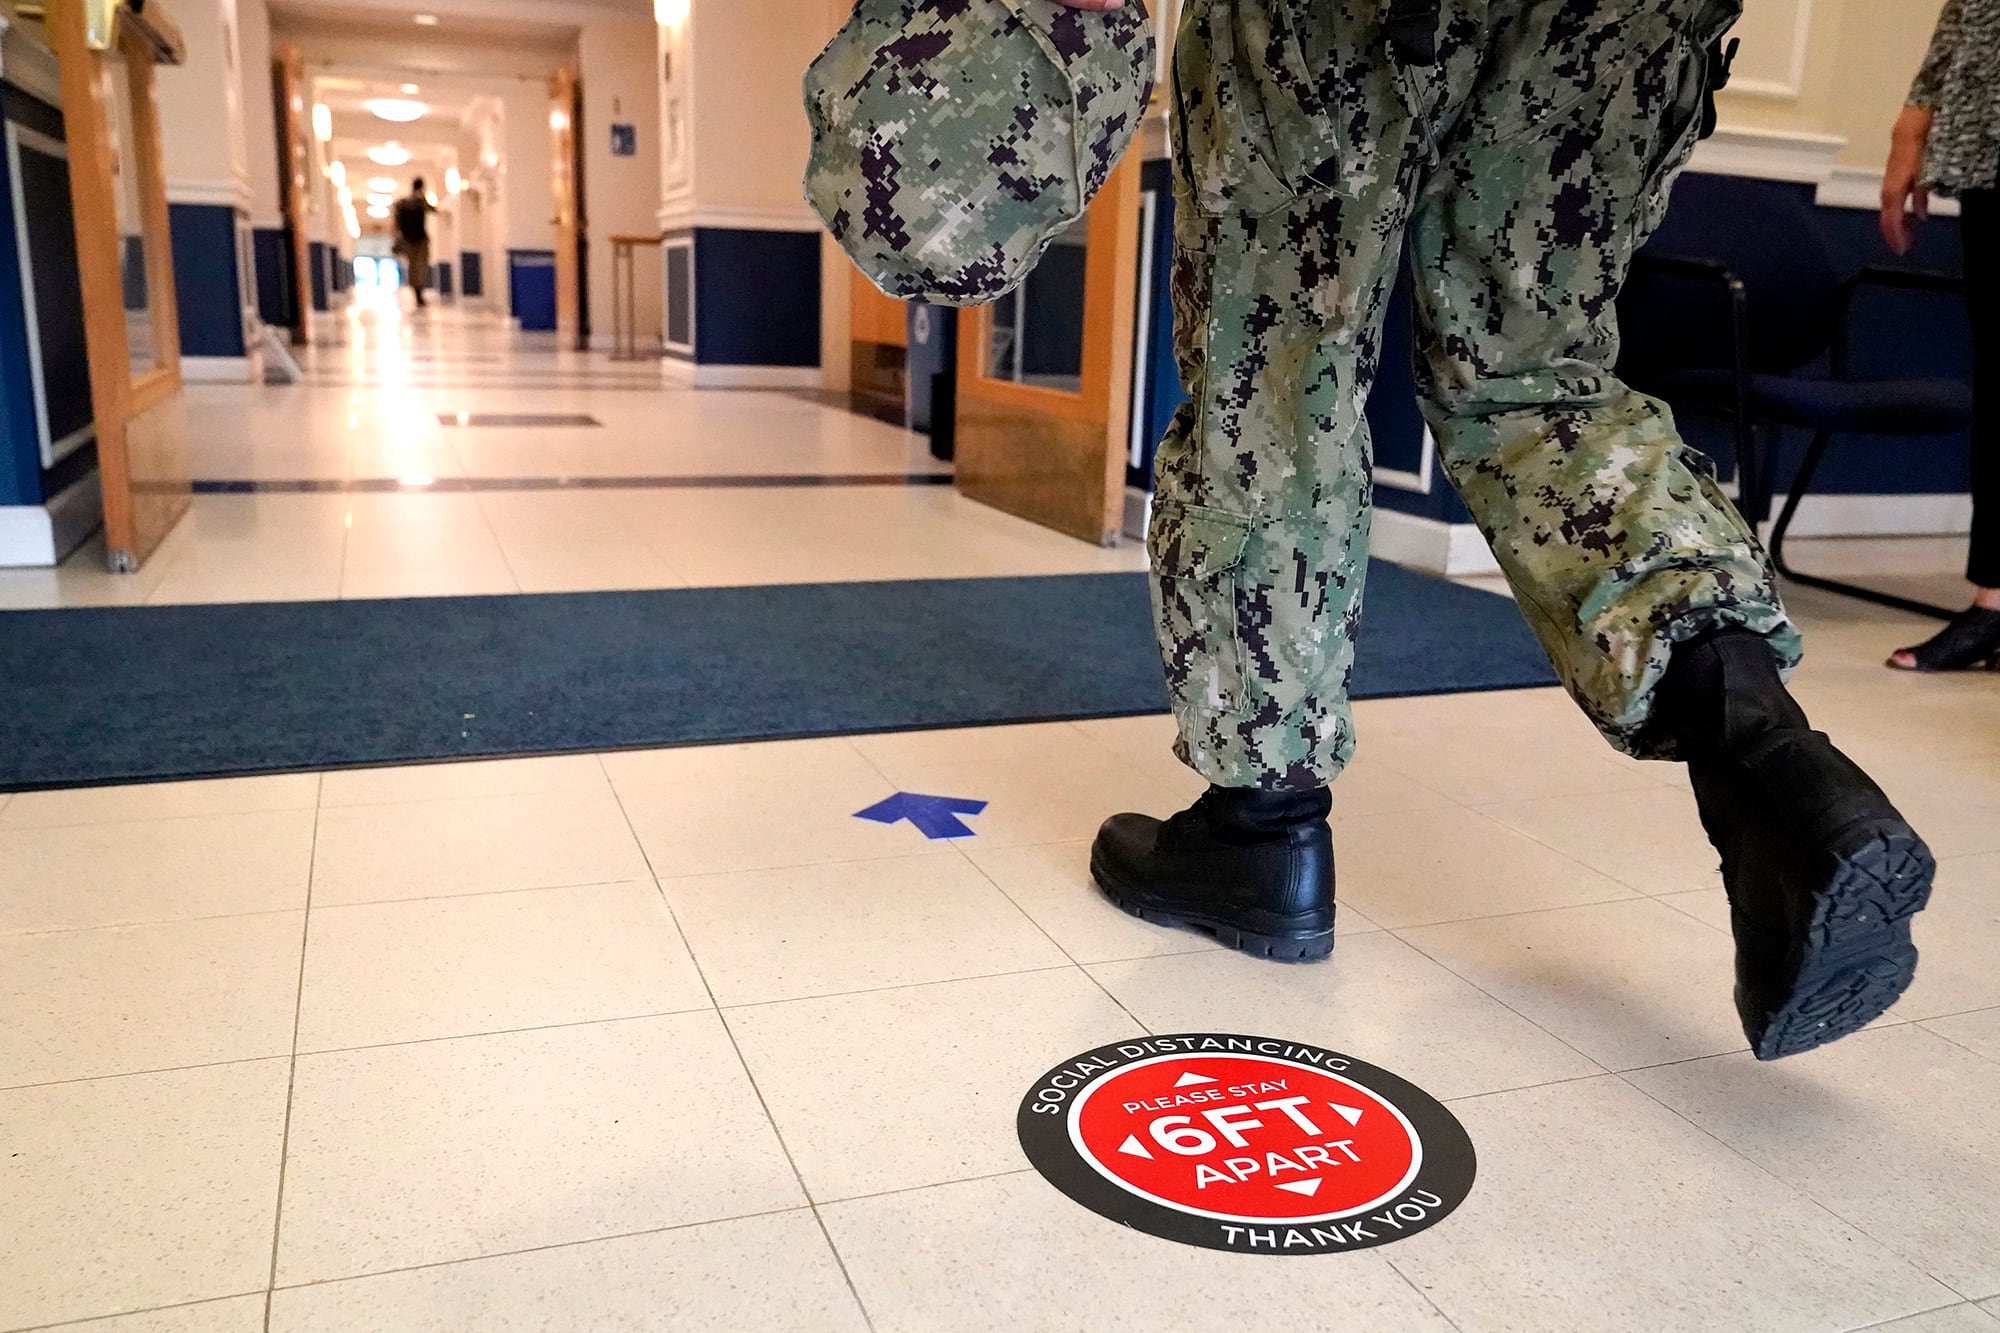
x=954, y=140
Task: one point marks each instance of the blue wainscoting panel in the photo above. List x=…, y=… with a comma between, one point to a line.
x=531, y=289
x=757, y=297
x=475, y=272
x=441, y=277
x=1894, y=334
x=48, y=224
x=20, y=434
x=316, y=256
x=274, y=275
x=205, y=279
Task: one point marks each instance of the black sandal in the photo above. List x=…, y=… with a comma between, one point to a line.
x=1972, y=640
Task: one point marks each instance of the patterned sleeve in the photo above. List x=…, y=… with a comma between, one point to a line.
x=1928, y=90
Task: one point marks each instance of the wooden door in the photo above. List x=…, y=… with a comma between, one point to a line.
x=125, y=265
x=566, y=187
x=295, y=179
x=1045, y=378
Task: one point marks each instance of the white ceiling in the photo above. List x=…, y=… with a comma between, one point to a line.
x=541, y=25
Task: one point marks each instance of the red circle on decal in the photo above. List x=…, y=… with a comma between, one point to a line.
x=1246, y=1139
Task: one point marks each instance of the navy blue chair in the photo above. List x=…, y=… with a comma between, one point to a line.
x=1736, y=309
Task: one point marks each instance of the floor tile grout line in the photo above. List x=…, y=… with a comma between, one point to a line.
x=1633, y=897
x=1000, y=888
x=1925, y=1024
x=1893, y=1320
x=1539, y=1027
x=72, y=825
x=533, y=1249
x=291, y=1076
x=1797, y=1190
x=742, y=1063
x=483, y=893
x=146, y=925
x=845, y=1199
x=1421, y=1294
x=898, y=986
x=133, y=1314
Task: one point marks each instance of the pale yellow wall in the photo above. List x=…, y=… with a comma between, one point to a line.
x=615, y=60
x=750, y=135
x=260, y=121
x=1828, y=67
x=201, y=107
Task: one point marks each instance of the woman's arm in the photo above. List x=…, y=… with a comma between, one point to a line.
x=1905, y=202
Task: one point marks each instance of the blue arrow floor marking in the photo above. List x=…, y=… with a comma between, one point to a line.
x=936, y=817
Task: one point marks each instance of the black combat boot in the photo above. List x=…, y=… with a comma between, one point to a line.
x=1254, y=869
x=1823, y=874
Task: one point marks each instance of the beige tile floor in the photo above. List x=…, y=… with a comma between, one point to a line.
x=669, y=1040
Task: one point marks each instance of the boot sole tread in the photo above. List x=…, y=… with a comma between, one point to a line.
x=1857, y=958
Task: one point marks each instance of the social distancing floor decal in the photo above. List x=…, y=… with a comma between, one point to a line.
x=1251, y=1144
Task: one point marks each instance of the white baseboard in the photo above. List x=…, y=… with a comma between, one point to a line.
x=1458, y=550
x=689, y=375
x=27, y=537
x=40, y=536
x=1138, y=512
x=222, y=369
x=1861, y=187
x=1455, y=550
x=1879, y=515
x=1777, y=155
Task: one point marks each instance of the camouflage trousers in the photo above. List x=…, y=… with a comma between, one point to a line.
x=1522, y=171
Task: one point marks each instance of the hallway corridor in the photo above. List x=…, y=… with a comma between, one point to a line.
x=671, y=1040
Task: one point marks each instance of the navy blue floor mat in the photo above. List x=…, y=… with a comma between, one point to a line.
x=98, y=696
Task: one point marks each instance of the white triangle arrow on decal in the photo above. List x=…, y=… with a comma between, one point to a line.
x=1132, y=1147
x=1348, y=1113
x=1189, y=1080
x=1306, y=1187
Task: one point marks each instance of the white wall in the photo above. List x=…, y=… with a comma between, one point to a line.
x=616, y=62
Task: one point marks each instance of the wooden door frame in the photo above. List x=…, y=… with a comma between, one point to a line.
x=1105, y=393
x=295, y=132
x=565, y=150
x=117, y=397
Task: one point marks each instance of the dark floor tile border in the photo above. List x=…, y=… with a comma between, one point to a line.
x=460, y=485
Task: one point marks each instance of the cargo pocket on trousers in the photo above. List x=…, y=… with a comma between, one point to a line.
x=1247, y=121
x=1694, y=68
x=1197, y=556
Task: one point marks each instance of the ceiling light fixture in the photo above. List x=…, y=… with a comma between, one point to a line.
x=410, y=90
x=453, y=182
x=378, y=210
x=323, y=121
x=337, y=173
x=670, y=13
x=389, y=155
x=424, y=20
x=382, y=184
x=381, y=200
x=394, y=108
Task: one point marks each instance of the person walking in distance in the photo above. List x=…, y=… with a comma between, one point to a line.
x=1520, y=151
x=1948, y=140
x=412, y=216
